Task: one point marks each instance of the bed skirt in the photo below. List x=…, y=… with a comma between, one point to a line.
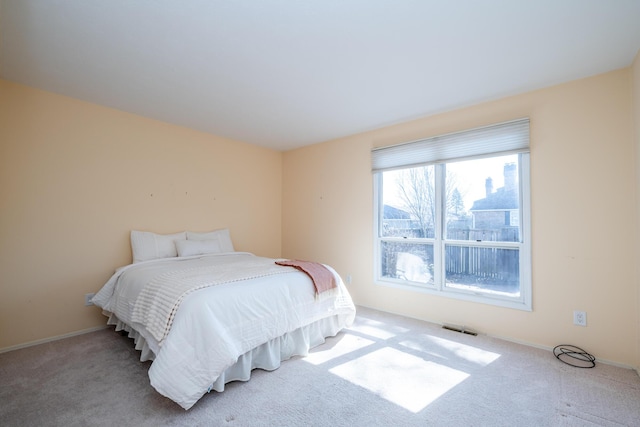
x=266, y=356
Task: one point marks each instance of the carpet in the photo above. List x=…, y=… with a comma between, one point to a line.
x=385, y=370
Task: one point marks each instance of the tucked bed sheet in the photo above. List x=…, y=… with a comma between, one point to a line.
x=216, y=325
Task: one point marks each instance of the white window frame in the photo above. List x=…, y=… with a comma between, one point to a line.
x=393, y=161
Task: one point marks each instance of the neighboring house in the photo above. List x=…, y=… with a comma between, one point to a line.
x=397, y=222
x=498, y=212
x=394, y=213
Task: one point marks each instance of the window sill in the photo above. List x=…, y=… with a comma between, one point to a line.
x=462, y=295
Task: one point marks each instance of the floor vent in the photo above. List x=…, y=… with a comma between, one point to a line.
x=461, y=329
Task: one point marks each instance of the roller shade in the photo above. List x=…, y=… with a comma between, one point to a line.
x=502, y=138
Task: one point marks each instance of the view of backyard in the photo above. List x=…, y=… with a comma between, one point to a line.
x=479, y=223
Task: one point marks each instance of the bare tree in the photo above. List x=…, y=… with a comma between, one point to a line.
x=416, y=189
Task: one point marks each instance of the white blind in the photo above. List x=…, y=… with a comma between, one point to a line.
x=501, y=138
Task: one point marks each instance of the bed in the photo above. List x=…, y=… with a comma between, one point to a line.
x=207, y=315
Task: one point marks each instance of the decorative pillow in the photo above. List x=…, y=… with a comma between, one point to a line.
x=222, y=236
x=147, y=246
x=197, y=247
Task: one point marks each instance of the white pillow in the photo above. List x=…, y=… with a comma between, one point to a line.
x=222, y=236
x=197, y=247
x=147, y=246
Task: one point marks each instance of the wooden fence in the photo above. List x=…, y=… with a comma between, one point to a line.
x=492, y=264
x=465, y=263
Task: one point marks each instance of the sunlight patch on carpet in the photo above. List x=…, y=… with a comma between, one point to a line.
x=346, y=345
x=376, y=329
x=401, y=378
x=448, y=349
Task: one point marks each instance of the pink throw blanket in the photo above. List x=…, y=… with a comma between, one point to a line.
x=322, y=278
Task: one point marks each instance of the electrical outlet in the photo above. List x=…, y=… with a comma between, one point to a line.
x=580, y=318
x=87, y=299
x=348, y=279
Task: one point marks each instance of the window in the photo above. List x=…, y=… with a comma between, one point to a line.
x=452, y=215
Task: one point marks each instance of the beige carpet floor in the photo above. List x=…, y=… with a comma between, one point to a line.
x=386, y=370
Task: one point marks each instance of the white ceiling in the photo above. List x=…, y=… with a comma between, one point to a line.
x=288, y=73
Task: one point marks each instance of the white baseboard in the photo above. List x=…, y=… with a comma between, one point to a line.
x=550, y=349
x=516, y=341
x=51, y=339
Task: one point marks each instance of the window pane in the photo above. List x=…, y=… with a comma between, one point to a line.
x=408, y=197
x=491, y=270
x=483, y=200
x=407, y=261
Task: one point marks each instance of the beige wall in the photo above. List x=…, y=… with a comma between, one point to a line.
x=584, y=216
x=75, y=178
x=636, y=120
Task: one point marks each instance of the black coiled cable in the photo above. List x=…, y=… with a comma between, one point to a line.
x=574, y=356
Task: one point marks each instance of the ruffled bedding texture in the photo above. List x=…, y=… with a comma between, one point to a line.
x=222, y=332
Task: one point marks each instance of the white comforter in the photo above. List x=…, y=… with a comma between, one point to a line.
x=215, y=325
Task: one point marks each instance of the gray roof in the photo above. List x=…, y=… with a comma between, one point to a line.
x=394, y=213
